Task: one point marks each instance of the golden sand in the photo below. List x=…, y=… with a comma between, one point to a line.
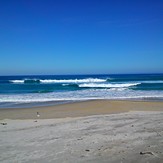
x=80, y=109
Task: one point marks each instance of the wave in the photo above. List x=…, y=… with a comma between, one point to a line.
x=26, y=81
x=32, y=81
x=88, y=80
x=17, y=81
x=93, y=85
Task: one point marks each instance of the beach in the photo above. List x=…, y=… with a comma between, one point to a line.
x=81, y=81
x=86, y=131
x=80, y=109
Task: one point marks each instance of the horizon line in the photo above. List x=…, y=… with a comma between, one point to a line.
x=85, y=74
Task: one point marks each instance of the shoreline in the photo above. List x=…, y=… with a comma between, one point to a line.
x=12, y=105
x=81, y=109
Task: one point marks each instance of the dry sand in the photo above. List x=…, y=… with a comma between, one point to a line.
x=90, y=134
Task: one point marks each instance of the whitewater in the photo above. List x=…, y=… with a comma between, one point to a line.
x=16, y=90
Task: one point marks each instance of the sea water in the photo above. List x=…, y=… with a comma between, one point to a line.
x=25, y=91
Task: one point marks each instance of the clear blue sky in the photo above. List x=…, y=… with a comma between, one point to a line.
x=81, y=36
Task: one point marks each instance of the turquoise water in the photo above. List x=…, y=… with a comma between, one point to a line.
x=30, y=90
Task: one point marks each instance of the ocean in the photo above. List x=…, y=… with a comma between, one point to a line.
x=42, y=90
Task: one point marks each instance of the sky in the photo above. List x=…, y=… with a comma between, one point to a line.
x=43, y=37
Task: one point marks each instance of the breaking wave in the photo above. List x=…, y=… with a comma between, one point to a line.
x=88, y=80
x=94, y=85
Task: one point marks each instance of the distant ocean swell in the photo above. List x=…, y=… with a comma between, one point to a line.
x=30, y=89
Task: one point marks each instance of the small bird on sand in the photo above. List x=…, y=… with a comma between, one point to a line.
x=38, y=115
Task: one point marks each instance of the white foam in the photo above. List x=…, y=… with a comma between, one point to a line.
x=23, y=81
x=81, y=95
x=94, y=85
x=88, y=80
x=17, y=81
x=118, y=89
